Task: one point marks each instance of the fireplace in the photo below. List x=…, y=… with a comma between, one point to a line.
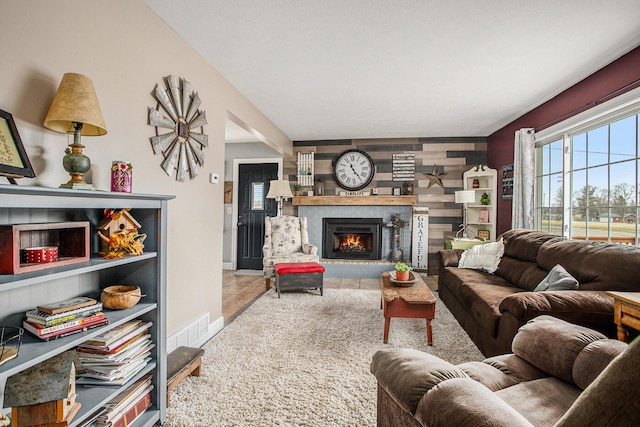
x=352, y=238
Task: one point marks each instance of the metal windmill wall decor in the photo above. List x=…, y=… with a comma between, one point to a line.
x=182, y=147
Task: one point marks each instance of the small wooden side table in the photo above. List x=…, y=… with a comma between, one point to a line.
x=626, y=312
x=415, y=302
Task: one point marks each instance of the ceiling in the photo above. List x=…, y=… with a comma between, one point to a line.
x=334, y=69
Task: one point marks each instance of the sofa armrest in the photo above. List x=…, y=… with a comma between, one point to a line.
x=568, y=305
x=309, y=249
x=464, y=402
x=407, y=374
x=266, y=251
x=449, y=257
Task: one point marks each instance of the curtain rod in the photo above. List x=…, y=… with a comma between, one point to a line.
x=586, y=106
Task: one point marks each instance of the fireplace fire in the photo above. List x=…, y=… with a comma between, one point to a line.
x=353, y=243
x=352, y=238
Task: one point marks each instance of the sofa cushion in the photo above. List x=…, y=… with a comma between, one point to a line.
x=613, y=398
x=463, y=402
x=407, y=374
x=523, y=274
x=489, y=376
x=515, y=367
x=553, y=345
x=592, y=261
x=593, y=359
x=542, y=401
x=524, y=244
x=483, y=257
x=557, y=280
x=583, y=307
x=454, y=277
x=482, y=300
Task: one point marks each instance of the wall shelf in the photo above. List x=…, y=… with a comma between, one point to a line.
x=354, y=200
x=22, y=292
x=487, y=183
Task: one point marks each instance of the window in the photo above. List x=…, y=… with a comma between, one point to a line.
x=587, y=178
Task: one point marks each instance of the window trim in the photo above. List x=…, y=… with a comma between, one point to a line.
x=608, y=111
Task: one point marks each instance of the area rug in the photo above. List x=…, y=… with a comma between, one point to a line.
x=303, y=360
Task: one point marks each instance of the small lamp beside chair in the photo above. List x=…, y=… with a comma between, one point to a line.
x=75, y=108
x=280, y=190
x=464, y=197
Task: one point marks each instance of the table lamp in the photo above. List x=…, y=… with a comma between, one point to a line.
x=280, y=190
x=75, y=108
x=464, y=197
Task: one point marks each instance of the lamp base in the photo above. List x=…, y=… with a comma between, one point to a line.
x=77, y=186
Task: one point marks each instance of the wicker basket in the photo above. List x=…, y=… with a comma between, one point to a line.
x=120, y=297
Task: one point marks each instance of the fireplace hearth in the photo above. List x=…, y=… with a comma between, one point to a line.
x=352, y=238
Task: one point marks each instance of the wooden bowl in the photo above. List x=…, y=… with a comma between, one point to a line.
x=120, y=297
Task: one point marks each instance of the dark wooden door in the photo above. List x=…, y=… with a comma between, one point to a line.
x=253, y=207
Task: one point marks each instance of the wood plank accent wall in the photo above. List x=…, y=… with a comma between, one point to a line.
x=452, y=155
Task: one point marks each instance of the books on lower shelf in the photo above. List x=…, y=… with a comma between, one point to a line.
x=47, y=326
x=116, y=363
x=128, y=405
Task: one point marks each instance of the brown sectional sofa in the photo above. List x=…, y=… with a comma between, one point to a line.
x=491, y=307
x=559, y=374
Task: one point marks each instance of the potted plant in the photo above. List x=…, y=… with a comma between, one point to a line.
x=296, y=188
x=402, y=271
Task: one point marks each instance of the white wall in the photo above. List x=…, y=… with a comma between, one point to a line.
x=126, y=49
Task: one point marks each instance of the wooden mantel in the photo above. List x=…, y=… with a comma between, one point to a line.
x=354, y=200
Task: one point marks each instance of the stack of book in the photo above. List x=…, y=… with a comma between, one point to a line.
x=123, y=409
x=116, y=356
x=63, y=318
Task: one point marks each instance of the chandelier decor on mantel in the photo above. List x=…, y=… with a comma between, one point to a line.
x=182, y=147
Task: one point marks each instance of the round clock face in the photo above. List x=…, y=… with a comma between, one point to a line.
x=353, y=170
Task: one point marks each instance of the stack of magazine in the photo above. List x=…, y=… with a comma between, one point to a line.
x=116, y=356
x=123, y=409
x=63, y=318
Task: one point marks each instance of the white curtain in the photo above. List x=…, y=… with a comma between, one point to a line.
x=524, y=172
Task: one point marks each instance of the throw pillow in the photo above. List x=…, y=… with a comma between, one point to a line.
x=483, y=257
x=558, y=279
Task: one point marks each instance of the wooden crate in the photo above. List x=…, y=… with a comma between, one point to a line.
x=71, y=238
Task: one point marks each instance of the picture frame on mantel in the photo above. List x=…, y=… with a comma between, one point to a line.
x=14, y=162
x=397, y=191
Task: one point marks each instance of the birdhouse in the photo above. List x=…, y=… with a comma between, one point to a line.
x=45, y=394
x=115, y=221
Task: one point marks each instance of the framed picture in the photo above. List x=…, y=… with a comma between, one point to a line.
x=397, y=191
x=507, y=182
x=14, y=162
x=228, y=192
x=483, y=234
x=484, y=215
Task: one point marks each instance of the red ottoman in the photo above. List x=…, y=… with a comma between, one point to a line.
x=298, y=275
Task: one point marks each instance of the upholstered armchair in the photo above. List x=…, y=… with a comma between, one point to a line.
x=286, y=239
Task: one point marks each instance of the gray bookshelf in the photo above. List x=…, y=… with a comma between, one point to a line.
x=22, y=292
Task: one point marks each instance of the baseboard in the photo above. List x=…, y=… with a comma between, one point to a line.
x=196, y=333
x=227, y=266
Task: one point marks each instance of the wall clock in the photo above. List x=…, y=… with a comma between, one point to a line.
x=178, y=111
x=353, y=170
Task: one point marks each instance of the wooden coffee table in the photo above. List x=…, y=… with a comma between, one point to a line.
x=415, y=302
